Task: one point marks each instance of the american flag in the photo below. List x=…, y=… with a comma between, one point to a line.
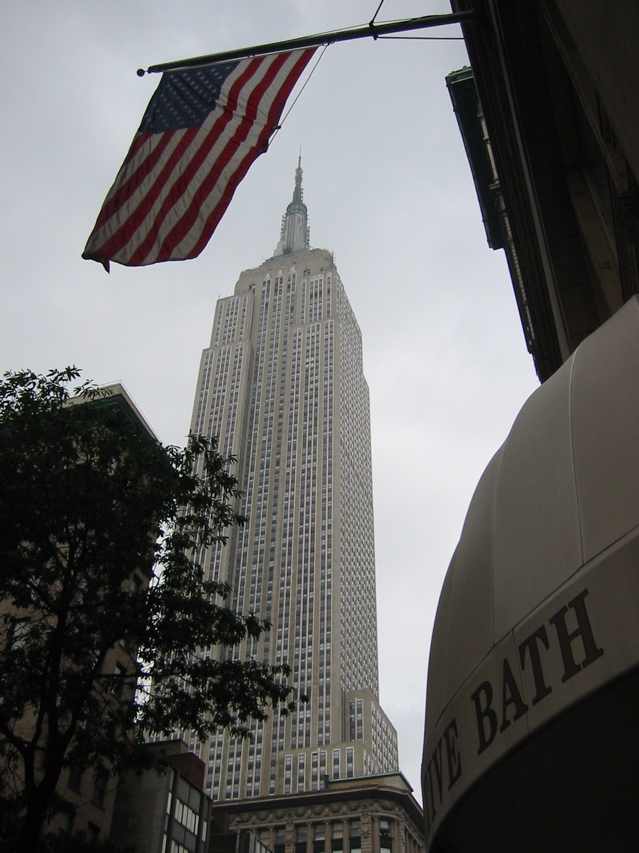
x=201, y=131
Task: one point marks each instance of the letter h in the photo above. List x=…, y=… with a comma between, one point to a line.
x=583, y=630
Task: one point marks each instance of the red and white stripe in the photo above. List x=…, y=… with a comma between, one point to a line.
x=174, y=187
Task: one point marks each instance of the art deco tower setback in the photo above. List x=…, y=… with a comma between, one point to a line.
x=282, y=387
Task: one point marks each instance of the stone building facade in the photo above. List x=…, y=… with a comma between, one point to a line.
x=282, y=388
x=374, y=814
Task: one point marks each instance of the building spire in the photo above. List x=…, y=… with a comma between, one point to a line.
x=298, y=192
x=295, y=234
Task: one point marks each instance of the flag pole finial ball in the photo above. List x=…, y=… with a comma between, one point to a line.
x=141, y=72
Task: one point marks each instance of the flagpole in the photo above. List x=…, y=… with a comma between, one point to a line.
x=371, y=30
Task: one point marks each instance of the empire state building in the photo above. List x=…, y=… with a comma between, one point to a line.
x=282, y=387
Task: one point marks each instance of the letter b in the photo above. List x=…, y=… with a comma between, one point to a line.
x=485, y=715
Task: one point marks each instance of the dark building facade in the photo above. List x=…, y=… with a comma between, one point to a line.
x=85, y=798
x=557, y=83
x=166, y=812
x=531, y=740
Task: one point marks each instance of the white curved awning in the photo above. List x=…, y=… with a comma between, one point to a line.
x=539, y=607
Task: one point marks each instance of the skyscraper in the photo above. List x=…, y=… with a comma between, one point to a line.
x=282, y=386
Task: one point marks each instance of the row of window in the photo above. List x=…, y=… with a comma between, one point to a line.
x=318, y=835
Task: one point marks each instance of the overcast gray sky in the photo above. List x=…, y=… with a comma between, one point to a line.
x=388, y=189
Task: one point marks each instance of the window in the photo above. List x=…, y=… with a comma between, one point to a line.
x=186, y=816
x=336, y=764
x=280, y=839
x=118, y=682
x=385, y=840
x=356, y=836
x=75, y=779
x=301, y=833
x=18, y=633
x=319, y=838
x=92, y=832
x=66, y=820
x=100, y=787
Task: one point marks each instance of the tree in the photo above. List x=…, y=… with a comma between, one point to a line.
x=91, y=509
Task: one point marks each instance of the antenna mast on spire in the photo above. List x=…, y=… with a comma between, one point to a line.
x=295, y=234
